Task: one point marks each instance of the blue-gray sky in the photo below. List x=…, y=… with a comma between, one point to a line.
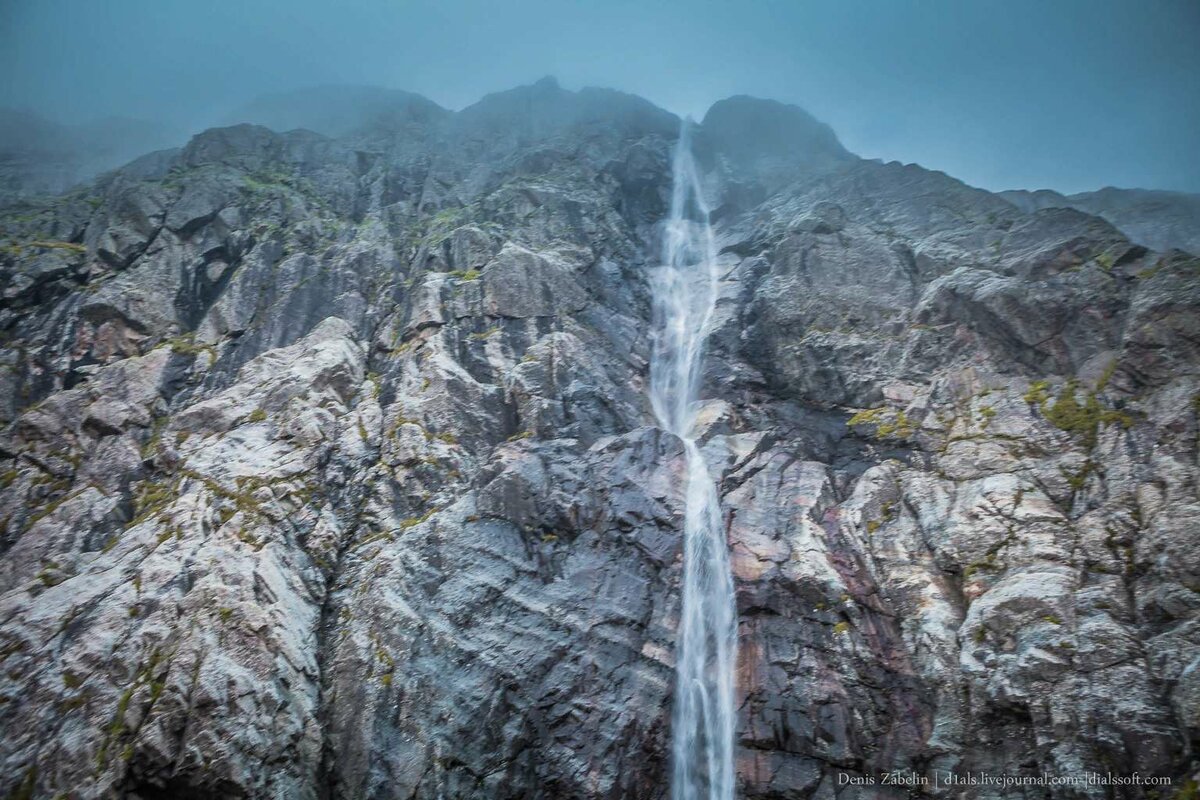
x=1064, y=94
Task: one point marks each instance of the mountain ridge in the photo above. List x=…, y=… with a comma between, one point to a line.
x=335, y=456
x=1158, y=219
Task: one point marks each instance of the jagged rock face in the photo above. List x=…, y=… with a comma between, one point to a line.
x=328, y=469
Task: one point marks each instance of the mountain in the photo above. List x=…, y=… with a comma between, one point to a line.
x=40, y=157
x=1160, y=220
x=328, y=469
x=337, y=110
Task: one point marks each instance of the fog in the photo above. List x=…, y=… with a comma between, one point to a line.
x=1071, y=95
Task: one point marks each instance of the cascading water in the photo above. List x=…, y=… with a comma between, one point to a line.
x=685, y=297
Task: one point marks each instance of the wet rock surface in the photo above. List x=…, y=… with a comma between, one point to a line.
x=328, y=470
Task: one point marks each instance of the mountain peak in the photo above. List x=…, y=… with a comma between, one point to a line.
x=337, y=110
x=753, y=131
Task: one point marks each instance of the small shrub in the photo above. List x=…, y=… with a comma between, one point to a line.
x=1038, y=393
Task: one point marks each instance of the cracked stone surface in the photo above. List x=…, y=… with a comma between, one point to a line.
x=327, y=469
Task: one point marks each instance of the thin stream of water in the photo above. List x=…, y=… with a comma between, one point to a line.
x=685, y=294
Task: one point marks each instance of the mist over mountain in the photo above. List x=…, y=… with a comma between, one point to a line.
x=337, y=110
x=39, y=157
x=1071, y=96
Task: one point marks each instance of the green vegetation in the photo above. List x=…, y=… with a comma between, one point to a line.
x=1066, y=412
x=888, y=424
x=72, y=703
x=385, y=660
x=68, y=246
x=246, y=537
x=150, y=498
x=989, y=562
x=1082, y=419
x=447, y=438
x=48, y=577
x=185, y=344
x=50, y=507
x=265, y=183
x=150, y=448
x=1148, y=272
x=25, y=789
x=1106, y=375
x=1038, y=393
x=413, y=522
x=490, y=332
x=118, y=727
x=1189, y=790
x=257, y=415
x=441, y=224
x=1077, y=480
x=840, y=628
x=986, y=415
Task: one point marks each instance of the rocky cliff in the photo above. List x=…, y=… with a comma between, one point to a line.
x=1161, y=220
x=328, y=470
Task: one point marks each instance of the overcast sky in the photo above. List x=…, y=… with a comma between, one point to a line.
x=1063, y=94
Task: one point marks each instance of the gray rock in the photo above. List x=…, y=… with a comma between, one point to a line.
x=328, y=470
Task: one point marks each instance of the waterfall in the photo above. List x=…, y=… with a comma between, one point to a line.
x=685, y=294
